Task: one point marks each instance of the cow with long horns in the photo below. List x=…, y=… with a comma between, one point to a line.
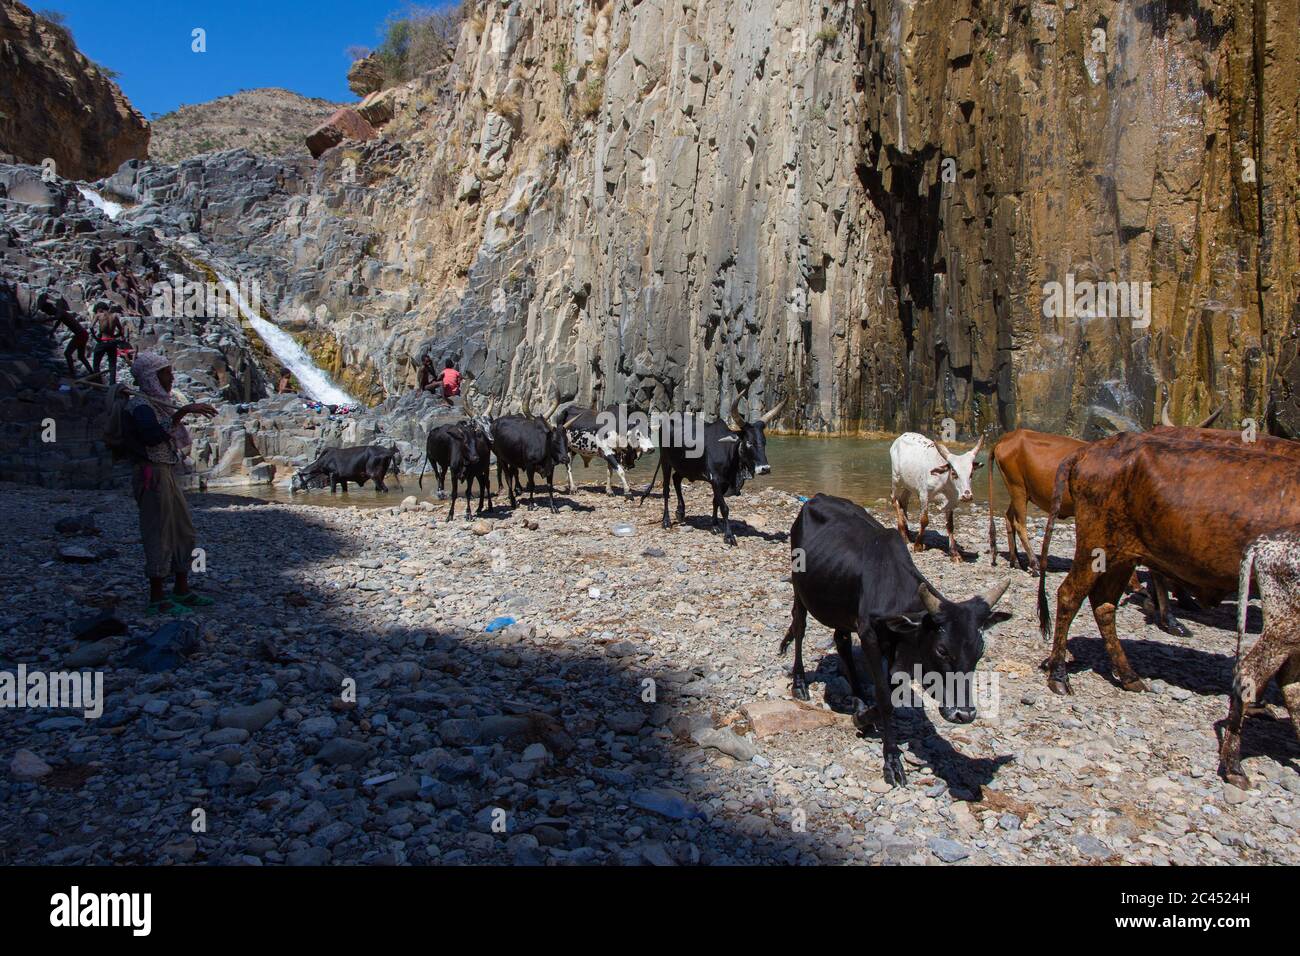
x=725, y=455
x=530, y=444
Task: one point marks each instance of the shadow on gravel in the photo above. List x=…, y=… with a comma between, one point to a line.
x=965, y=776
x=739, y=527
x=449, y=714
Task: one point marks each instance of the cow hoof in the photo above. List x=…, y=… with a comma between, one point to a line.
x=1134, y=684
x=918, y=546
x=894, y=775
x=1236, y=778
x=865, y=718
x=956, y=558
x=730, y=539
x=799, y=689
x=1174, y=627
x=667, y=523
x=1058, y=681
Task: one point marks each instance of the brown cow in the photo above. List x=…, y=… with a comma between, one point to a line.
x=1158, y=592
x=1275, y=560
x=1028, y=461
x=1186, y=509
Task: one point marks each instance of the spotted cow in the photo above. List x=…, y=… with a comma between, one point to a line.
x=619, y=441
x=1274, y=559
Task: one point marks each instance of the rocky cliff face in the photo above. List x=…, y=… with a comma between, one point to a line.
x=57, y=104
x=860, y=209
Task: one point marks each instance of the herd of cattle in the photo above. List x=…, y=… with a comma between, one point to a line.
x=1205, y=511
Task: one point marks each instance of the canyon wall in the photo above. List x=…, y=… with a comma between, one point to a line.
x=57, y=104
x=853, y=207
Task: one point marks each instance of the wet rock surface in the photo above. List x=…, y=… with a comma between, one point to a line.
x=345, y=705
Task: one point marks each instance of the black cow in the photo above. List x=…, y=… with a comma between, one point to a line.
x=341, y=465
x=531, y=444
x=854, y=575
x=724, y=456
x=480, y=439
x=461, y=450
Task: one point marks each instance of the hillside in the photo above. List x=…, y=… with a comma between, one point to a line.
x=269, y=122
x=56, y=104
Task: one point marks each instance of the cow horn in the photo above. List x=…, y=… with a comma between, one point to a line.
x=928, y=598
x=1164, y=414
x=770, y=416
x=527, y=405
x=978, y=445
x=943, y=452
x=468, y=404
x=1213, y=415
x=555, y=407
x=992, y=594
x=734, y=420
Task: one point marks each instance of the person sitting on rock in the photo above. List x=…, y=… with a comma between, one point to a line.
x=52, y=307
x=450, y=382
x=426, y=380
x=285, y=383
x=166, y=527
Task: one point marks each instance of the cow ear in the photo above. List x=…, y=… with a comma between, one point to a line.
x=976, y=464
x=903, y=625
x=942, y=469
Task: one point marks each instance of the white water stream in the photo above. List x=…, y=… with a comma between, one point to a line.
x=313, y=379
x=109, y=208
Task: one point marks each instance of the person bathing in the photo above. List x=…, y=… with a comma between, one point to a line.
x=166, y=527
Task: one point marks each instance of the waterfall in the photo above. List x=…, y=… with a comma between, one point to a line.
x=109, y=208
x=313, y=379
x=315, y=382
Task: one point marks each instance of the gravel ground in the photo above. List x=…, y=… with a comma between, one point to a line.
x=626, y=718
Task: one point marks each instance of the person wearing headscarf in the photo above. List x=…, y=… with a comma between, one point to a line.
x=166, y=528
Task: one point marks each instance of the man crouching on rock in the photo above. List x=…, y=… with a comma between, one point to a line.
x=166, y=527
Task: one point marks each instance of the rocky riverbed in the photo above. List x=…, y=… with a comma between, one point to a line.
x=637, y=712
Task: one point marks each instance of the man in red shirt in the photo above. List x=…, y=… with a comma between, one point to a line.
x=450, y=382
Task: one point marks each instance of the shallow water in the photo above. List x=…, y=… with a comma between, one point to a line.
x=854, y=468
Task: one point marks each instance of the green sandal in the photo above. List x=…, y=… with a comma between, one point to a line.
x=166, y=606
x=191, y=599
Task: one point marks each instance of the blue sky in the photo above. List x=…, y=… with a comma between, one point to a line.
x=295, y=44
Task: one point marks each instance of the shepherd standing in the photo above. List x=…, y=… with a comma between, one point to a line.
x=166, y=528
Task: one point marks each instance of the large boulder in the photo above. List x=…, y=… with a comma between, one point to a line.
x=365, y=76
x=377, y=108
x=343, y=124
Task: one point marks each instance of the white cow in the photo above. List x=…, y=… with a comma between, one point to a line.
x=917, y=464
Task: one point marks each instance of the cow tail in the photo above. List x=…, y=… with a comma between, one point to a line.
x=1243, y=595
x=650, y=487
x=1058, y=492
x=993, y=528
x=420, y=480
